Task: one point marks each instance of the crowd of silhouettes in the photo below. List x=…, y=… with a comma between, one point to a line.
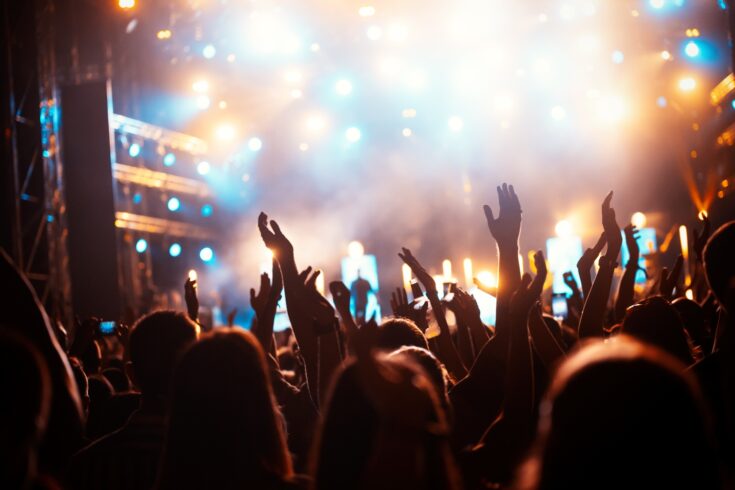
x=634, y=388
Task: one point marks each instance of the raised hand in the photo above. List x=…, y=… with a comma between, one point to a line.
x=571, y=283
x=341, y=297
x=231, y=317
x=259, y=301
x=585, y=263
x=492, y=291
x=700, y=238
x=537, y=285
x=418, y=270
x=612, y=230
x=506, y=228
x=190, y=296
x=275, y=240
x=632, y=234
x=669, y=280
x=265, y=304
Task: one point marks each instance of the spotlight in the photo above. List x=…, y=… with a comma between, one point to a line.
x=355, y=249
x=225, y=132
x=315, y=123
x=203, y=167
x=255, y=144
x=563, y=228
x=207, y=210
x=173, y=204
x=203, y=102
x=134, y=150
x=353, y=135
x=687, y=84
x=343, y=87
x=141, y=246
x=638, y=220
x=455, y=124
x=691, y=49
x=174, y=250
x=657, y=4
x=137, y=198
x=209, y=51
x=169, y=159
x=200, y=86
x=206, y=254
x=126, y=4
x=374, y=33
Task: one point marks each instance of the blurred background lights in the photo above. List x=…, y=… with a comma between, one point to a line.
x=558, y=113
x=355, y=249
x=209, y=51
x=366, y=11
x=665, y=55
x=200, y=86
x=207, y=210
x=343, y=87
x=206, y=254
x=255, y=144
x=225, y=132
x=203, y=167
x=141, y=245
x=174, y=250
x=618, y=57
x=126, y=4
x=687, y=84
x=315, y=123
x=169, y=159
x=374, y=33
x=203, y=102
x=657, y=4
x=455, y=124
x=134, y=150
x=691, y=49
x=563, y=228
x=638, y=220
x=173, y=204
x=353, y=134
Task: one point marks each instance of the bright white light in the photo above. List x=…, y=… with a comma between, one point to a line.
x=503, y=103
x=255, y=144
x=200, y=86
x=665, y=55
x=296, y=93
x=293, y=76
x=588, y=43
x=612, y=109
x=173, y=204
x=203, y=102
x=657, y=4
x=315, y=123
x=692, y=49
x=206, y=254
x=268, y=33
x=407, y=132
x=374, y=33
x=355, y=249
x=203, y=167
x=558, y=113
x=343, y=87
x=388, y=66
x=618, y=57
x=563, y=228
x=314, y=47
x=687, y=84
x=209, y=51
x=366, y=11
x=455, y=124
x=397, y=32
x=566, y=12
x=353, y=134
x=487, y=278
x=638, y=220
x=416, y=80
x=303, y=147
x=224, y=132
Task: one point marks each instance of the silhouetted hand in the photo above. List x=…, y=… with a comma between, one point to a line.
x=402, y=308
x=669, y=280
x=571, y=283
x=537, y=285
x=275, y=240
x=259, y=301
x=590, y=255
x=190, y=296
x=492, y=291
x=464, y=306
x=612, y=230
x=317, y=305
x=231, y=317
x=700, y=238
x=506, y=228
x=632, y=234
x=341, y=296
x=418, y=270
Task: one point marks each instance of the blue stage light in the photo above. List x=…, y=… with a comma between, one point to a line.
x=692, y=49
x=169, y=159
x=141, y=246
x=174, y=250
x=137, y=198
x=207, y=210
x=173, y=204
x=134, y=150
x=206, y=254
x=203, y=168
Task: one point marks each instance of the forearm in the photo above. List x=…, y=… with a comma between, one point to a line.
x=509, y=278
x=585, y=277
x=449, y=355
x=625, y=291
x=544, y=341
x=519, y=382
x=480, y=334
x=593, y=314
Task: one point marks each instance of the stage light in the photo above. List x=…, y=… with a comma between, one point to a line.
x=126, y=4
x=163, y=34
x=407, y=132
x=296, y=93
x=134, y=150
x=563, y=228
x=408, y=113
x=691, y=49
x=173, y=204
x=255, y=144
x=203, y=167
x=209, y=51
x=315, y=123
x=662, y=102
x=343, y=87
x=355, y=249
x=203, y=102
x=487, y=279
x=200, y=86
x=665, y=55
x=137, y=198
x=638, y=220
x=558, y=113
x=374, y=33
x=206, y=254
x=618, y=57
x=657, y=4
x=169, y=159
x=314, y=47
x=141, y=245
x=455, y=124
x=687, y=84
x=293, y=76
x=366, y=11
x=207, y=210
x=174, y=250
x=353, y=134
x=397, y=32
x=612, y=109
x=225, y=132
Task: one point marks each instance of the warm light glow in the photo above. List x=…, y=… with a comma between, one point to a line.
x=447, y=269
x=355, y=249
x=126, y=4
x=487, y=279
x=200, y=86
x=163, y=34
x=366, y=11
x=687, y=84
x=665, y=55
x=192, y=275
x=319, y=283
x=315, y=123
x=689, y=294
x=684, y=241
x=225, y=132
x=702, y=214
x=406, y=275
x=563, y=228
x=467, y=265
x=638, y=220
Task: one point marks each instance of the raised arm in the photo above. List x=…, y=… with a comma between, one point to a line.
x=265, y=304
x=585, y=263
x=593, y=315
x=447, y=352
x=627, y=283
